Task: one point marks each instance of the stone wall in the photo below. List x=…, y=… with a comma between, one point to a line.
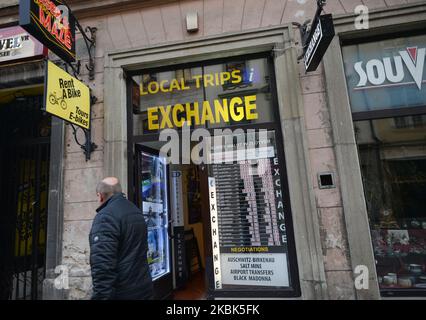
x=328, y=201
x=164, y=23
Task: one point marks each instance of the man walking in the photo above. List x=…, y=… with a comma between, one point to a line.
x=118, y=247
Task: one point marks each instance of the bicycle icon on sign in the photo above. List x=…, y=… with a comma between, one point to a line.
x=55, y=100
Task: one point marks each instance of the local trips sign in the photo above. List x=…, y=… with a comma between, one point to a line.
x=200, y=112
x=66, y=97
x=50, y=22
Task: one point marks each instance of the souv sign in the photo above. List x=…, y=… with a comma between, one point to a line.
x=390, y=71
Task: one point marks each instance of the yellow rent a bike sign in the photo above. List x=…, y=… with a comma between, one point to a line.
x=66, y=97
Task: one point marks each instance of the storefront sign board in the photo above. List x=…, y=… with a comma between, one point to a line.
x=66, y=97
x=318, y=41
x=389, y=74
x=17, y=44
x=52, y=23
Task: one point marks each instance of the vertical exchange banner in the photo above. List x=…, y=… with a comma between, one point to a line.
x=176, y=200
x=66, y=97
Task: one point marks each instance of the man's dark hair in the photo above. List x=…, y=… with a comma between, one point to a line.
x=108, y=189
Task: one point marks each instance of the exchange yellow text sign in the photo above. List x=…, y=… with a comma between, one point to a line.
x=66, y=97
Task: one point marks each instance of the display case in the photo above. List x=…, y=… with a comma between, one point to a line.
x=154, y=203
x=392, y=153
x=401, y=258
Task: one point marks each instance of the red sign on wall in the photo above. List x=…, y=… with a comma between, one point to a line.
x=52, y=23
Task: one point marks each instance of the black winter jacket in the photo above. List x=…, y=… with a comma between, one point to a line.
x=118, y=252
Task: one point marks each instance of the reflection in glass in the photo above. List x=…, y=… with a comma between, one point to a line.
x=182, y=95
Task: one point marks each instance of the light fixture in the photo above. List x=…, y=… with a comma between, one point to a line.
x=192, y=21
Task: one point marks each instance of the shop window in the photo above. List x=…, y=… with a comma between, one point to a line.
x=386, y=75
x=233, y=87
x=392, y=154
x=387, y=93
x=245, y=171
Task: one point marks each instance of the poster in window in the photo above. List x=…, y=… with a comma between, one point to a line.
x=155, y=210
x=250, y=210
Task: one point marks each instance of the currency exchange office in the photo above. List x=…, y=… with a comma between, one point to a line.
x=260, y=175
x=211, y=130
x=253, y=212
x=224, y=211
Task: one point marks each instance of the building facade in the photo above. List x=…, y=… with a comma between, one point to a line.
x=344, y=216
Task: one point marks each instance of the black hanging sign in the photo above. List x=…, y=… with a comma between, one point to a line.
x=320, y=36
x=52, y=23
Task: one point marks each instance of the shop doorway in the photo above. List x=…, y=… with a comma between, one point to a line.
x=246, y=215
x=24, y=178
x=190, y=274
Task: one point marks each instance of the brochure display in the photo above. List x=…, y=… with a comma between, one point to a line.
x=153, y=188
